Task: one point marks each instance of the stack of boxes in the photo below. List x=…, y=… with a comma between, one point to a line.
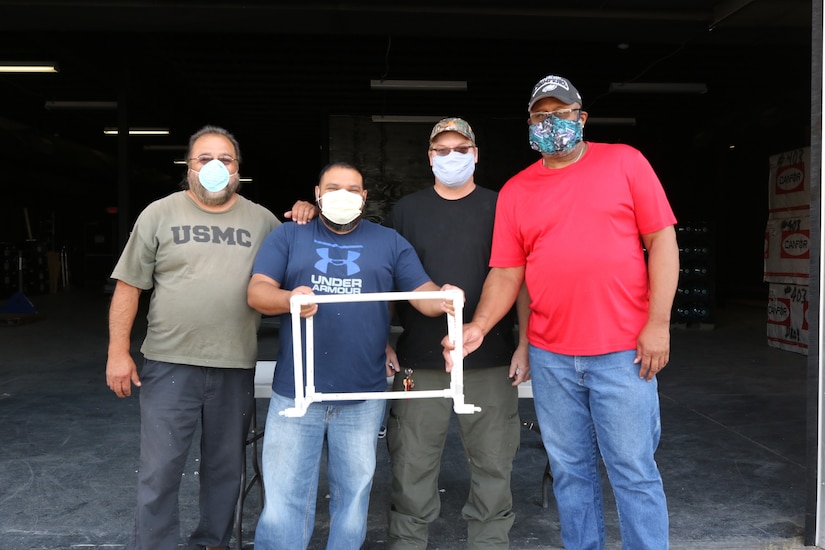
x=31, y=259
x=695, y=296
x=787, y=249
x=9, y=271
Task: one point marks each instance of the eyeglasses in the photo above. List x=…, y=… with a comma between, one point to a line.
x=444, y=151
x=205, y=159
x=566, y=114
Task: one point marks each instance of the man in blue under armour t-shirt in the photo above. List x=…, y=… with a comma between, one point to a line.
x=336, y=253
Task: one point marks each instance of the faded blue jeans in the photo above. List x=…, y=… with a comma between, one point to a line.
x=595, y=406
x=291, y=466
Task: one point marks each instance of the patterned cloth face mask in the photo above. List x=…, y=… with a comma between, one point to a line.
x=555, y=135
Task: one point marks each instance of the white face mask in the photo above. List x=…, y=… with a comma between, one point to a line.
x=214, y=175
x=341, y=206
x=455, y=169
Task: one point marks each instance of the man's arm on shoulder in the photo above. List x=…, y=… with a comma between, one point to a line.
x=302, y=212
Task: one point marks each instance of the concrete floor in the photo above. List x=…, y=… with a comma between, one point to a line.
x=731, y=455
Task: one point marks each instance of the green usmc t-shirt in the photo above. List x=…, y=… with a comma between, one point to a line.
x=198, y=265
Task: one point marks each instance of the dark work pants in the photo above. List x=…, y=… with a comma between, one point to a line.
x=173, y=400
x=416, y=434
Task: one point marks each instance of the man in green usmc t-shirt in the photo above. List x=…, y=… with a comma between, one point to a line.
x=194, y=249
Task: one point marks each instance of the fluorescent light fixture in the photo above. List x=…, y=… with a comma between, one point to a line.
x=179, y=161
x=438, y=85
x=79, y=105
x=407, y=118
x=28, y=67
x=245, y=180
x=155, y=147
x=659, y=87
x=611, y=121
x=139, y=131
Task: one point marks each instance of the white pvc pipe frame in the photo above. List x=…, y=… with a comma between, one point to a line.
x=306, y=394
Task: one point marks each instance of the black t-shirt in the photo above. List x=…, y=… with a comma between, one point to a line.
x=453, y=239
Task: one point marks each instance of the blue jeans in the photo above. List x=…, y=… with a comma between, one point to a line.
x=291, y=466
x=592, y=406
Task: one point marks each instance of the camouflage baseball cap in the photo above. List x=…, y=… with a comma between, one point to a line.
x=453, y=124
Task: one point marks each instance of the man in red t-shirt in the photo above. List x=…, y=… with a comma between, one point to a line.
x=575, y=226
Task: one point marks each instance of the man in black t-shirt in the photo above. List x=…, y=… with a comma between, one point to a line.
x=451, y=228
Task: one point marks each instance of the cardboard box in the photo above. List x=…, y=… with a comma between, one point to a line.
x=787, y=249
x=789, y=184
x=788, y=317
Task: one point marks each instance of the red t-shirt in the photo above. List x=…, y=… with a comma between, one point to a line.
x=577, y=230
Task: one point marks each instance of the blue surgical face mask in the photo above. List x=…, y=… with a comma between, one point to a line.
x=455, y=169
x=555, y=135
x=214, y=175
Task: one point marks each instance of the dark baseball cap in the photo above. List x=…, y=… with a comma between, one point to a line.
x=555, y=86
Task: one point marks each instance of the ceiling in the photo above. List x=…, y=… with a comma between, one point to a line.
x=273, y=73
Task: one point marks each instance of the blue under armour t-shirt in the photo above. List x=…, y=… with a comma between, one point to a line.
x=350, y=338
